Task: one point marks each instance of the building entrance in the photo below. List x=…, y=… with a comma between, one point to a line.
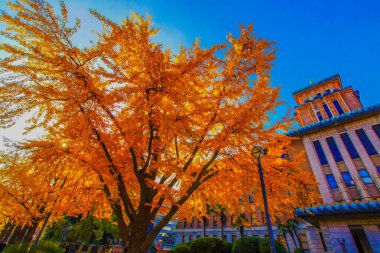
x=360, y=239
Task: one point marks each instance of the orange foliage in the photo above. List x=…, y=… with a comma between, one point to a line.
x=160, y=132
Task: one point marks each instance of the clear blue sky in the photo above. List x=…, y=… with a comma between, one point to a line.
x=315, y=39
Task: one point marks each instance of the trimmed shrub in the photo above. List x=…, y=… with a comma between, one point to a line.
x=42, y=247
x=255, y=244
x=265, y=246
x=209, y=245
x=228, y=246
x=182, y=248
x=298, y=250
x=14, y=248
x=251, y=245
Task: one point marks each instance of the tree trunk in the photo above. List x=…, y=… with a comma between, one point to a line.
x=41, y=230
x=9, y=232
x=5, y=230
x=294, y=241
x=17, y=235
x=204, y=226
x=286, y=242
x=29, y=235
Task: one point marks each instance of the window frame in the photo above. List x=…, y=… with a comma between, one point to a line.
x=366, y=142
x=320, y=153
x=350, y=147
x=338, y=107
x=327, y=110
x=376, y=129
x=347, y=178
x=365, y=177
x=334, y=149
x=332, y=183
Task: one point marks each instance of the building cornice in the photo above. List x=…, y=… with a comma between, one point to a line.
x=337, y=120
x=316, y=84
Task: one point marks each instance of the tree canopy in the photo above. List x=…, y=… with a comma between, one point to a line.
x=158, y=132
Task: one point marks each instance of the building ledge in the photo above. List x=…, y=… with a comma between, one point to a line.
x=316, y=84
x=345, y=208
x=337, y=120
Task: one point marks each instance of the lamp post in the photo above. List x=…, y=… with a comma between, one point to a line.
x=258, y=152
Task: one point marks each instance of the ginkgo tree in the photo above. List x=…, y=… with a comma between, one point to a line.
x=163, y=132
x=34, y=192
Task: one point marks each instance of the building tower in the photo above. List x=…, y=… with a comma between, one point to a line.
x=342, y=142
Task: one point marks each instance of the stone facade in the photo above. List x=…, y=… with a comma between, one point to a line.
x=342, y=143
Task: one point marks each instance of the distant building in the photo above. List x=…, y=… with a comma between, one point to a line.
x=342, y=142
x=192, y=230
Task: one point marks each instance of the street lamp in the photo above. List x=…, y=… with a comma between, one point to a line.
x=258, y=152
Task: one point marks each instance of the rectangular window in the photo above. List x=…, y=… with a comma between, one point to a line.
x=331, y=180
x=366, y=142
x=185, y=224
x=348, y=179
x=233, y=238
x=319, y=115
x=183, y=238
x=349, y=146
x=366, y=178
x=253, y=219
x=338, y=107
x=376, y=128
x=264, y=217
x=190, y=238
x=334, y=149
x=320, y=153
x=327, y=110
x=317, y=112
x=215, y=220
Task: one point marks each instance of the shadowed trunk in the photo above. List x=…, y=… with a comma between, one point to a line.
x=31, y=231
x=18, y=234
x=204, y=225
x=8, y=232
x=294, y=241
x=286, y=242
x=298, y=239
x=5, y=230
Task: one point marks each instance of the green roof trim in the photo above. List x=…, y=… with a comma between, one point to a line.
x=370, y=110
x=344, y=208
x=316, y=84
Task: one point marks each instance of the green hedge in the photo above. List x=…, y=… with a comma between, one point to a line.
x=210, y=245
x=254, y=244
x=42, y=247
x=182, y=248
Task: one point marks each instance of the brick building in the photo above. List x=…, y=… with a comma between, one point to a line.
x=342, y=142
x=191, y=230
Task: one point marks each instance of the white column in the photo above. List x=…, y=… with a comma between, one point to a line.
x=336, y=172
x=352, y=169
x=319, y=174
x=364, y=157
x=373, y=137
